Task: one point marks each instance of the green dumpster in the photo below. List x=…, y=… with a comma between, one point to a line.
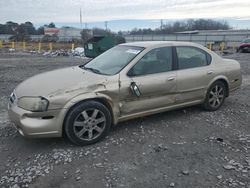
x=97, y=45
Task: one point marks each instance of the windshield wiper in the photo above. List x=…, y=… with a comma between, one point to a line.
x=91, y=69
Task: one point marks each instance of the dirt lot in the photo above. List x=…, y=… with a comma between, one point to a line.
x=183, y=148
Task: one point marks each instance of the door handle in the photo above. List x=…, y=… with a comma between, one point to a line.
x=210, y=72
x=171, y=78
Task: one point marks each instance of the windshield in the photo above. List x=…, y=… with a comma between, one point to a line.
x=114, y=60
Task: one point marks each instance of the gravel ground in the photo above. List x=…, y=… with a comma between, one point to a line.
x=183, y=148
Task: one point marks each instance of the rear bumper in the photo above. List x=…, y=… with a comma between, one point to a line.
x=37, y=124
x=235, y=83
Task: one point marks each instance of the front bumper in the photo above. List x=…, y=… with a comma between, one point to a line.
x=37, y=124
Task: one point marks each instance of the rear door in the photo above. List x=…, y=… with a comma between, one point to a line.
x=193, y=74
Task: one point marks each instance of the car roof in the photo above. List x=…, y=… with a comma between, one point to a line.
x=148, y=44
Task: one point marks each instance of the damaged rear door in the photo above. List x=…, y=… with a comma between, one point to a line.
x=154, y=81
x=194, y=73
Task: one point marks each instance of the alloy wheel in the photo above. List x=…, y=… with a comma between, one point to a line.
x=89, y=124
x=216, y=96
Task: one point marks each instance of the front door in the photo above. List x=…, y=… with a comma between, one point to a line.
x=153, y=74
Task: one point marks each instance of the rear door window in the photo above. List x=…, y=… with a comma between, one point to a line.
x=191, y=57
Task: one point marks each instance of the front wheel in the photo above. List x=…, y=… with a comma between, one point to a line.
x=87, y=123
x=215, y=96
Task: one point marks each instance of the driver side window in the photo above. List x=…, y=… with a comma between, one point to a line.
x=155, y=61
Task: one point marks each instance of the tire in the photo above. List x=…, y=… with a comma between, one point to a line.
x=241, y=50
x=215, y=96
x=87, y=123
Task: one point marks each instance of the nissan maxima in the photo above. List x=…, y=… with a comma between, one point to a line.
x=128, y=81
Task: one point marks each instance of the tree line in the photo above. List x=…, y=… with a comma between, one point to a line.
x=187, y=25
x=22, y=32
x=27, y=27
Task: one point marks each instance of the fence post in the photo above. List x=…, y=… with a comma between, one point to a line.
x=225, y=42
x=13, y=45
x=234, y=45
x=210, y=46
x=39, y=47
x=72, y=46
x=24, y=45
x=50, y=46
x=1, y=44
x=222, y=46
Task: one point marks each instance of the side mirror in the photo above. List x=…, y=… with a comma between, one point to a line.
x=135, y=89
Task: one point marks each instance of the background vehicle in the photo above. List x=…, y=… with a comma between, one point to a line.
x=128, y=81
x=244, y=46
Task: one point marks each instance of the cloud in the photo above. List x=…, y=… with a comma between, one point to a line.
x=44, y=11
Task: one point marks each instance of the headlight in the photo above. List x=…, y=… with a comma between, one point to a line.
x=34, y=104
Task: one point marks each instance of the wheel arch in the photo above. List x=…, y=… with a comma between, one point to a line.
x=222, y=79
x=79, y=100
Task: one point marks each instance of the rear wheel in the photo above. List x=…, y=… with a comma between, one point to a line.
x=215, y=96
x=87, y=123
x=241, y=50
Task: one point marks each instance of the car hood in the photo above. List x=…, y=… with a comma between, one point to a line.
x=57, y=82
x=244, y=44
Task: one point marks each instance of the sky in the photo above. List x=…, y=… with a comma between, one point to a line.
x=122, y=12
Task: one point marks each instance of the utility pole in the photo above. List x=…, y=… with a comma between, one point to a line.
x=161, y=24
x=81, y=17
x=106, y=25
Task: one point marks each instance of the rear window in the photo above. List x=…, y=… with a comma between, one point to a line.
x=246, y=40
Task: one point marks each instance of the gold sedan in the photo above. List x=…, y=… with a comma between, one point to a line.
x=128, y=81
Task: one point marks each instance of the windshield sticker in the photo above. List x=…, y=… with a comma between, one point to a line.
x=132, y=51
